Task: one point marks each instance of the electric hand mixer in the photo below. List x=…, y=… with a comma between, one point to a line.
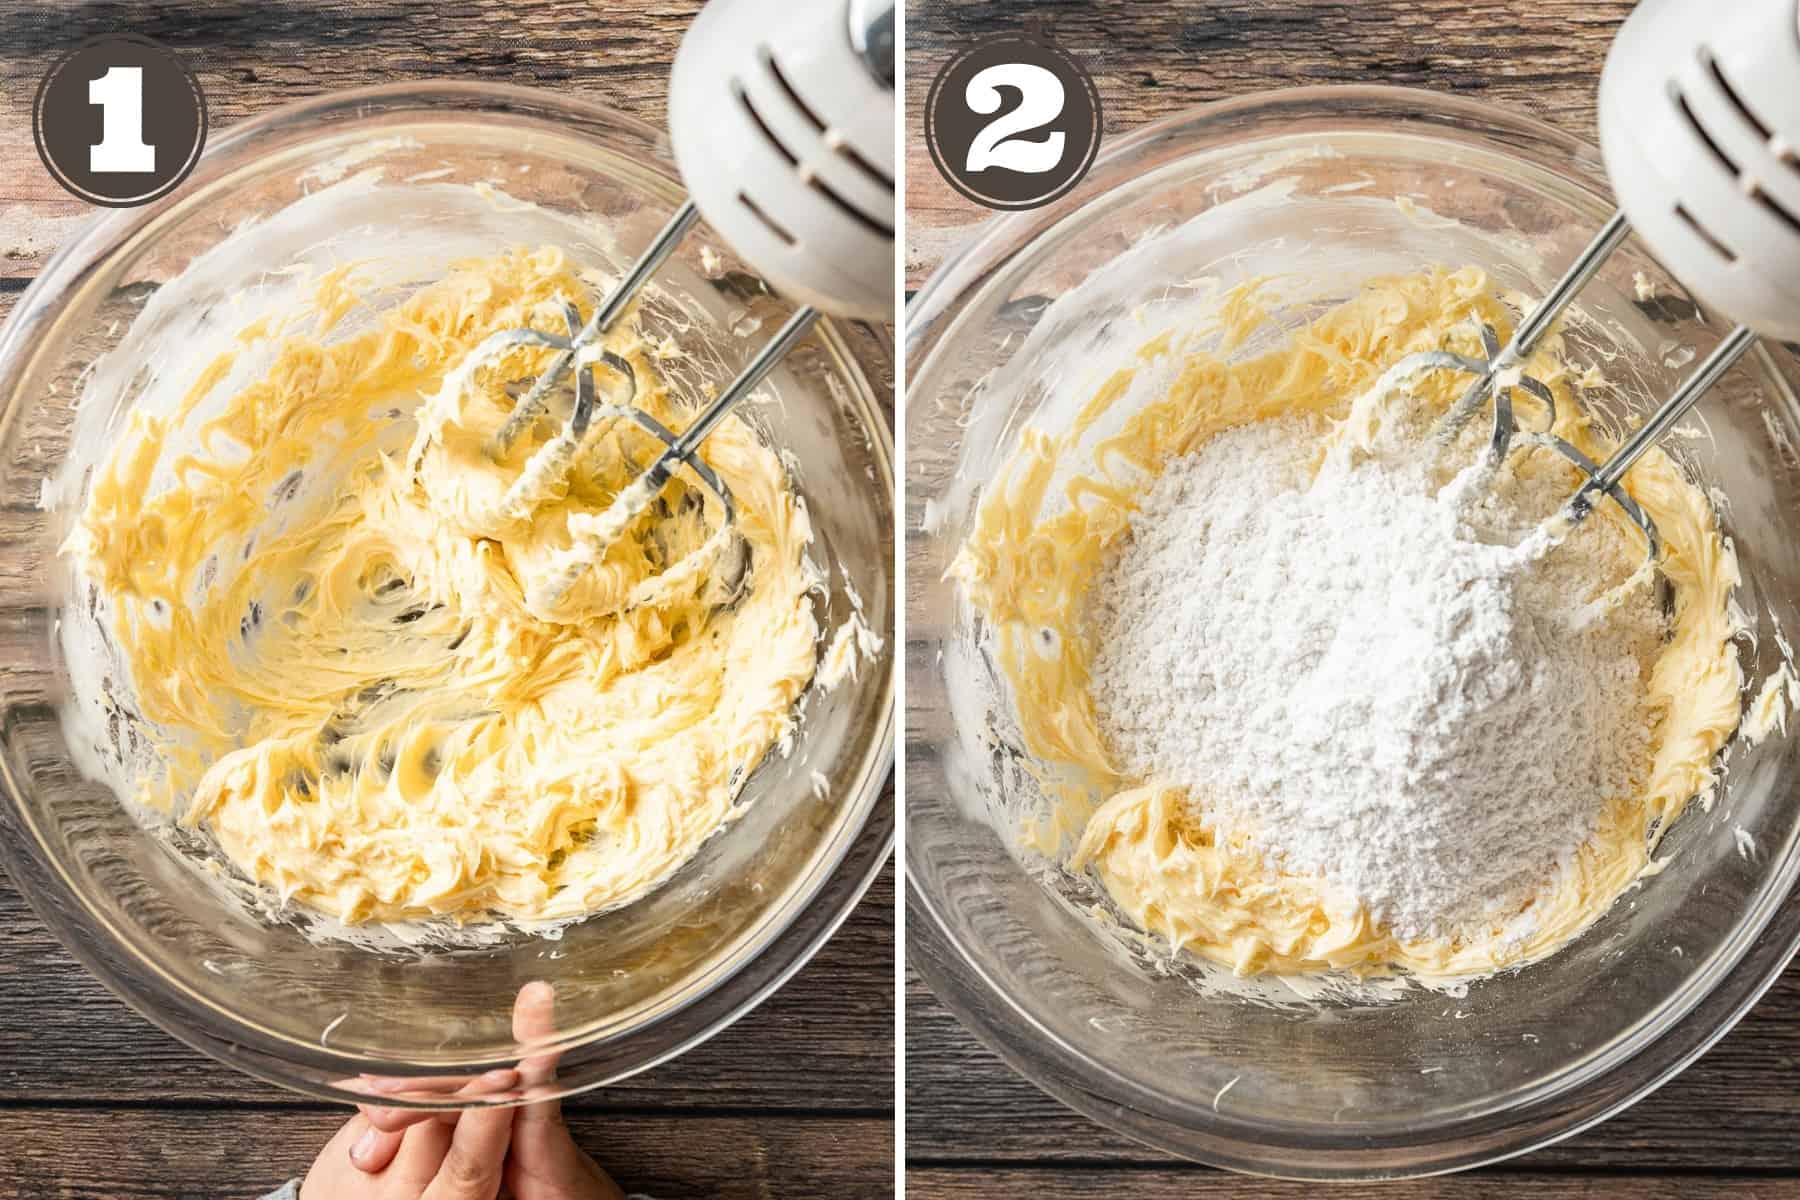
x=1699, y=119
x=782, y=120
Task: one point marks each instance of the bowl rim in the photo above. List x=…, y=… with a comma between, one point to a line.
x=1550, y=1112
x=840, y=871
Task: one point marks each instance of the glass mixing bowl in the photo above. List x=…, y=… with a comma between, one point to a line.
x=1307, y=181
x=633, y=986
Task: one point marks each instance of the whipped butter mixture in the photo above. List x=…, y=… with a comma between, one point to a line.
x=1105, y=568
x=344, y=648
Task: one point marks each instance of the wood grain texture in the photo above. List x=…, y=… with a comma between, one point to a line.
x=1151, y=58
x=796, y=1100
x=131, y=1154
x=973, y=1127
x=250, y=56
x=1736, y=1108
x=1200, y=1182
x=64, y=1038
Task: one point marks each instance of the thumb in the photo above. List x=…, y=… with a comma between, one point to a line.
x=471, y=1170
x=546, y=1163
x=541, y=1143
x=374, y=1148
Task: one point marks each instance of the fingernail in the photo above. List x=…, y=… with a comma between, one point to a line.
x=365, y=1145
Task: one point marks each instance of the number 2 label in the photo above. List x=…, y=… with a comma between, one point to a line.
x=1041, y=101
x=120, y=96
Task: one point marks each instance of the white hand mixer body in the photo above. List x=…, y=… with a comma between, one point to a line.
x=1699, y=117
x=782, y=119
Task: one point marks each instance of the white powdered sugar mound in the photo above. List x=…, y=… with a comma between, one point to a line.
x=1373, y=685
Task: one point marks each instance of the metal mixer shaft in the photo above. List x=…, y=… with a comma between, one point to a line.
x=1699, y=116
x=1503, y=369
x=796, y=172
x=580, y=352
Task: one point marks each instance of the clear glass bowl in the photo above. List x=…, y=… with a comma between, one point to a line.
x=1425, y=1083
x=633, y=986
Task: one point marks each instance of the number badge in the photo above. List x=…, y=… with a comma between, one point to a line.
x=1013, y=122
x=119, y=121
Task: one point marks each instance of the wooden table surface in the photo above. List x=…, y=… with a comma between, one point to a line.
x=796, y=1100
x=1729, y=1125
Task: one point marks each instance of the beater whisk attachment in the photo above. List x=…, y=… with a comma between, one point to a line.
x=543, y=474
x=553, y=460
x=592, y=538
x=781, y=117
x=531, y=405
x=1698, y=118
x=1502, y=369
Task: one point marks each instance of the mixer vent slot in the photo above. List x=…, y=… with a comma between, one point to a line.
x=1718, y=151
x=812, y=180
x=773, y=226
x=1746, y=182
x=810, y=177
x=1783, y=154
x=881, y=177
x=781, y=80
x=1719, y=247
x=768, y=134
x=1712, y=67
x=881, y=228
x=865, y=166
x=1775, y=206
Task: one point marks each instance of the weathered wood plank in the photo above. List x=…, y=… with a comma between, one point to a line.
x=1736, y=1108
x=1151, y=59
x=64, y=1037
x=250, y=57
x=984, y=1183
x=128, y=1154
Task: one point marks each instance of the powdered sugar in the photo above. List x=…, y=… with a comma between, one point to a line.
x=1372, y=683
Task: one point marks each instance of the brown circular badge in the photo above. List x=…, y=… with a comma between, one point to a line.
x=119, y=121
x=1013, y=122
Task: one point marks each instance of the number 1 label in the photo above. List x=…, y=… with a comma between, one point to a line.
x=120, y=95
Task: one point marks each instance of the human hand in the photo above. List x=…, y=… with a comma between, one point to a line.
x=433, y=1160
x=543, y=1162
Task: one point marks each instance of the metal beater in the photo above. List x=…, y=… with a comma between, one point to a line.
x=1699, y=120
x=782, y=121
